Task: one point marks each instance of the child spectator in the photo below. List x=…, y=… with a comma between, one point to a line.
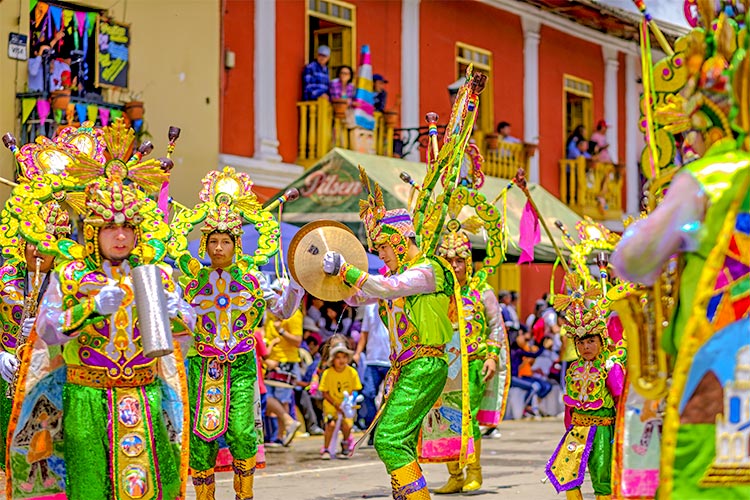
x=378, y=87
x=338, y=378
x=503, y=129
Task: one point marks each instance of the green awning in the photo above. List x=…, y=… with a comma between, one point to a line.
x=331, y=190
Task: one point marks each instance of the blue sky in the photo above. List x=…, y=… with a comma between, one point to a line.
x=667, y=10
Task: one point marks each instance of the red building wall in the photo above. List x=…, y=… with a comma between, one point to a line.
x=561, y=54
x=379, y=26
x=290, y=60
x=445, y=22
x=237, y=107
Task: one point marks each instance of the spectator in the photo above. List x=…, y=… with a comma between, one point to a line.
x=332, y=322
x=375, y=343
x=315, y=309
x=503, y=128
x=599, y=140
x=378, y=87
x=285, y=352
x=539, y=306
x=571, y=145
x=510, y=316
x=342, y=87
x=581, y=149
x=522, y=377
x=302, y=395
x=315, y=76
x=337, y=379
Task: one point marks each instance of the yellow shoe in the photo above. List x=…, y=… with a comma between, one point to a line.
x=244, y=475
x=204, y=483
x=455, y=480
x=474, y=470
x=408, y=483
x=574, y=494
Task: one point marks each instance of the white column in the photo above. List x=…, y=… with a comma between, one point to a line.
x=611, y=66
x=531, y=38
x=410, y=69
x=632, y=152
x=266, y=139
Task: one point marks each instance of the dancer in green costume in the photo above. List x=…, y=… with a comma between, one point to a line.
x=20, y=279
x=705, y=218
x=414, y=300
x=486, y=341
x=230, y=298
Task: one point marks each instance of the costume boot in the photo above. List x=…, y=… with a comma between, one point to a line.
x=408, y=483
x=244, y=474
x=574, y=494
x=474, y=470
x=205, y=484
x=455, y=481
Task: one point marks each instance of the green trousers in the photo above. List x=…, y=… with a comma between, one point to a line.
x=476, y=392
x=241, y=435
x=6, y=408
x=419, y=385
x=600, y=459
x=87, y=448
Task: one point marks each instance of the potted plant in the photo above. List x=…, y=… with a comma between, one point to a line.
x=134, y=107
x=60, y=98
x=340, y=105
x=493, y=141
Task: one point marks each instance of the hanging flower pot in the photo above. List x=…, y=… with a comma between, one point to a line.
x=134, y=110
x=340, y=105
x=60, y=99
x=391, y=118
x=493, y=141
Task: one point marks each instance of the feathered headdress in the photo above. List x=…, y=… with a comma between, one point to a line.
x=227, y=202
x=581, y=308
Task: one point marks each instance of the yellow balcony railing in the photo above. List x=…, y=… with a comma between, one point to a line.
x=591, y=188
x=320, y=131
x=503, y=159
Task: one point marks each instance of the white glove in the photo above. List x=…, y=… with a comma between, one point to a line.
x=332, y=262
x=173, y=304
x=109, y=299
x=8, y=366
x=28, y=324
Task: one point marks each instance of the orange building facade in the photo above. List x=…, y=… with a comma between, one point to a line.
x=548, y=72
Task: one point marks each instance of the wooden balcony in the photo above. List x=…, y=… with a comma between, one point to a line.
x=592, y=188
x=320, y=131
x=503, y=159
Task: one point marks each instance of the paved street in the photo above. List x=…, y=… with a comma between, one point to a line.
x=513, y=467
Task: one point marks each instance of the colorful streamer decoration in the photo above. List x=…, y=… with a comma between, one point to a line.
x=364, y=98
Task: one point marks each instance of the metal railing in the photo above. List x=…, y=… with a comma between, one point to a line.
x=320, y=131
x=592, y=188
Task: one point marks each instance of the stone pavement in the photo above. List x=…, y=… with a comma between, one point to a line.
x=513, y=467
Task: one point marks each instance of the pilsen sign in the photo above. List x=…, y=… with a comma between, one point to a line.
x=330, y=186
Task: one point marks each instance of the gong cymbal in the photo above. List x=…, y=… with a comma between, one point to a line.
x=306, y=252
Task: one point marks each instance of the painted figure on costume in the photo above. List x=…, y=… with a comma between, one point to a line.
x=703, y=219
x=230, y=298
x=593, y=383
x=25, y=278
x=487, y=349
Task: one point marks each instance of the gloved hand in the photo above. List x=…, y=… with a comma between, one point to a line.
x=109, y=299
x=8, y=366
x=28, y=324
x=332, y=262
x=173, y=304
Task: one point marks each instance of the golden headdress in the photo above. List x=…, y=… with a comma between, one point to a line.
x=227, y=202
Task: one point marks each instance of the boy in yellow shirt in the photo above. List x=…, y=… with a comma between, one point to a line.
x=338, y=378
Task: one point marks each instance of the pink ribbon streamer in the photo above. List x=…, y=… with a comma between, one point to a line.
x=104, y=116
x=530, y=234
x=163, y=202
